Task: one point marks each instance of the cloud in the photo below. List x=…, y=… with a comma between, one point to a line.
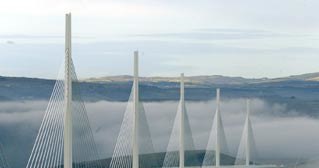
x=10, y=42
x=158, y=57
x=275, y=127
x=212, y=34
x=20, y=36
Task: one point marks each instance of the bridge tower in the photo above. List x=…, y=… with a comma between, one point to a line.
x=136, y=113
x=67, y=143
x=218, y=123
x=182, y=126
x=248, y=126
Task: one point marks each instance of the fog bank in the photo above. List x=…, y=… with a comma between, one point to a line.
x=279, y=134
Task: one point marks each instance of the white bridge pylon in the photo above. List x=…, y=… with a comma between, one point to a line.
x=181, y=140
x=247, y=151
x=182, y=127
x=65, y=138
x=67, y=143
x=136, y=113
x=218, y=143
x=217, y=140
x=134, y=139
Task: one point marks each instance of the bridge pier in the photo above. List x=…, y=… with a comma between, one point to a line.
x=217, y=150
x=67, y=143
x=247, y=133
x=136, y=114
x=182, y=115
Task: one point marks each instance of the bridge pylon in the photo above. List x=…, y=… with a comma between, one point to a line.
x=136, y=108
x=67, y=142
x=182, y=125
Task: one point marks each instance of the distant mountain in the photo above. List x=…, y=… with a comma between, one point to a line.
x=304, y=77
x=298, y=92
x=201, y=80
x=208, y=79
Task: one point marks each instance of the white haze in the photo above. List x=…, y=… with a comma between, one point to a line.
x=279, y=134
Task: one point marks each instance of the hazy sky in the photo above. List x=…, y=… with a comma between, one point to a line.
x=250, y=38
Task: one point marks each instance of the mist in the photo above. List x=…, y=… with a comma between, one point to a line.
x=280, y=134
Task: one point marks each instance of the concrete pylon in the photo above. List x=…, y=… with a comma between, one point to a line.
x=136, y=113
x=67, y=143
x=182, y=125
x=248, y=126
x=218, y=122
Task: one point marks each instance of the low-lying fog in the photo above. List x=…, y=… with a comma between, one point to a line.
x=279, y=134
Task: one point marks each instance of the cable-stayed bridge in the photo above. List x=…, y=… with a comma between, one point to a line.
x=65, y=138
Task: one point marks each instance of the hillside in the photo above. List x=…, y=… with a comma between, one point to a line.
x=300, y=92
x=208, y=79
x=199, y=80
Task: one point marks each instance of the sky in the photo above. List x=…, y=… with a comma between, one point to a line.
x=248, y=38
